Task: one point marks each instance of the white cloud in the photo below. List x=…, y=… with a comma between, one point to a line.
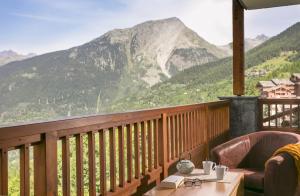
x=43, y=18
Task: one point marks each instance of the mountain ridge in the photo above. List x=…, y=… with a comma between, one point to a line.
x=82, y=79
x=250, y=43
x=7, y=56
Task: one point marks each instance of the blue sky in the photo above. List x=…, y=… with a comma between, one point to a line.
x=42, y=26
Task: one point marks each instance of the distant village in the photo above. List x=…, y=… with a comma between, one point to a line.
x=280, y=88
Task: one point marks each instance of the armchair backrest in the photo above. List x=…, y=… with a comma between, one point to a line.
x=263, y=145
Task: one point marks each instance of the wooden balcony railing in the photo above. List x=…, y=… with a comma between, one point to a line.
x=279, y=114
x=122, y=153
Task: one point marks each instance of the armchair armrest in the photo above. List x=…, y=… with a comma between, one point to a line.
x=281, y=176
x=231, y=153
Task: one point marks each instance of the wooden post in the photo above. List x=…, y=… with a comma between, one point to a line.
x=4, y=172
x=163, y=144
x=45, y=166
x=238, y=49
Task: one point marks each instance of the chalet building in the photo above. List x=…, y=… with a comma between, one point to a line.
x=280, y=88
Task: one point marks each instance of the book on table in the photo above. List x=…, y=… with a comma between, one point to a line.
x=172, y=182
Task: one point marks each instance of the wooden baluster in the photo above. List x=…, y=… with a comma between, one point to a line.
x=218, y=122
x=188, y=122
x=204, y=126
x=198, y=131
x=176, y=133
x=102, y=150
x=208, y=117
x=163, y=144
x=172, y=131
x=168, y=138
x=260, y=115
x=191, y=130
x=283, y=117
x=143, y=136
x=121, y=156
x=79, y=164
x=184, y=116
x=45, y=166
x=298, y=114
x=129, y=152
x=269, y=115
x=194, y=127
x=180, y=127
x=214, y=123
x=200, y=127
x=92, y=164
x=66, y=166
x=112, y=145
x=150, y=129
x=291, y=116
x=156, y=158
x=4, y=172
x=136, y=151
x=24, y=170
x=276, y=112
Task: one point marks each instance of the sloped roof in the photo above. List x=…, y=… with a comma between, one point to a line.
x=266, y=84
x=258, y=4
x=282, y=81
x=297, y=75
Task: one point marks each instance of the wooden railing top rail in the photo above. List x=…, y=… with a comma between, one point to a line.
x=279, y=101
x=94, y=122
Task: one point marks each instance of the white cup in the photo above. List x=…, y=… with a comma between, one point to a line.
x=207, y=166
x=221, y=171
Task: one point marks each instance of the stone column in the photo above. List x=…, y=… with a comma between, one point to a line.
x=243, y=115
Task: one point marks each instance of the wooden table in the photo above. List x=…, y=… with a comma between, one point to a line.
x=232, y=185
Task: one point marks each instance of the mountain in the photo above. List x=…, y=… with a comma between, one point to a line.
x=250, y=43
x=87, y=78
x=8, y=56
x=277, y=57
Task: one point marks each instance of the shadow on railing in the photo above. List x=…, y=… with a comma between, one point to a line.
x=279, y=114
x=115, y=154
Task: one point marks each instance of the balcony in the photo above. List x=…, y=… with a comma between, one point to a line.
x=128, y=153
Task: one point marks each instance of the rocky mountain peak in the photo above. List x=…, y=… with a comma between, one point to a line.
x=8, y=56
x=262, y=37
x=163, y=45
x=6, y=53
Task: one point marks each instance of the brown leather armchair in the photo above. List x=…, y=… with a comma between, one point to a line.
x=249, y=154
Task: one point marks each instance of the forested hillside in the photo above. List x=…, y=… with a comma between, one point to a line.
x=277, y=57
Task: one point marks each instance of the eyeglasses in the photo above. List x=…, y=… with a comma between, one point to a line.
x=192, y=182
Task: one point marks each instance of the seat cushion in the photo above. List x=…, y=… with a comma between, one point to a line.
x=253, y=178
